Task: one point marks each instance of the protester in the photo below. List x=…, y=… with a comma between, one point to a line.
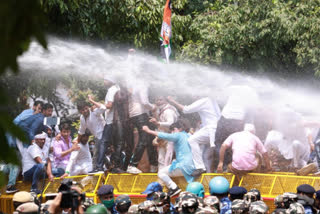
x=92, y=119
x=183, y=165
x=13, y=172
x=80, y=161
x=239, y=109
x=36, y=108
x=34, y=124
x=106, y=197
x=152, y=188
x=62, y=150
x=244, y=146
x=139, y=106
x=91, y=147
x=36, y=162
x=166, y=115
x=109, y=128
x=209, y=112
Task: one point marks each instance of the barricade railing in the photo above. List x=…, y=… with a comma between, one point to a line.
x=271, y=185
x=135, y=184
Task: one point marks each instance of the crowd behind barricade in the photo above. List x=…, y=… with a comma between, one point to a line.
x=221, y=200
x=241, y=137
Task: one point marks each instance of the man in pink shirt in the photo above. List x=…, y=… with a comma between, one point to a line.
x=62, y=151
x=244, y=147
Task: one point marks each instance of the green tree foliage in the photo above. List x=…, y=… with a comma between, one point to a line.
x=19, y=22
x=280, y=35
x=257, y=35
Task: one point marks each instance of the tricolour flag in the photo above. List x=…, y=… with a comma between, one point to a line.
x=165, y=34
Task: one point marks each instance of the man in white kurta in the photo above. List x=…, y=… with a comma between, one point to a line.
x=209, y=113
x=166, y=116
x=80, y=161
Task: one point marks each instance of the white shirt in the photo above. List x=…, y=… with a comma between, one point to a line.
x=110, y=98
x=31, y=153
x=240, y=102
x=167, y=116
x=139, y=101
x=80, y=157
x=207, y=109
x=94, y=122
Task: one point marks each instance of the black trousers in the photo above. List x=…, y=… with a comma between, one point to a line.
x=225, y=128
x=145, y=142
x=106, y=143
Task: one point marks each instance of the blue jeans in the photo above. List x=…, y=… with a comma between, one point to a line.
x=34, y=175
x=11, y=140
x=57, y=172
x=13, y=172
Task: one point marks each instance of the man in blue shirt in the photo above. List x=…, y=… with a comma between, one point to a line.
x=34, y=124
x=183, y=165
x=36, y=108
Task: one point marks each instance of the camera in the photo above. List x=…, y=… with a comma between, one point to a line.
x=51, y=121
x=70, y=198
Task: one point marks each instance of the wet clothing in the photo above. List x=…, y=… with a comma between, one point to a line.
x=23, y=115
x=59, y=147
x=184, y=160
x=209, y=113
x=139, y=106
x=80, y=161
x=33, y=125
x=244, y=146
x=145, y=142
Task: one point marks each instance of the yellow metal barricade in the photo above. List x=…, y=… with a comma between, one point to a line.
x=87, y=183
x=271, y=185
x=135, y=184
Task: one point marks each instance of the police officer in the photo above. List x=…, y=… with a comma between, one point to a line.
x=305, y=197
x=123, y=204
x=97, y=208
x=258, y=207
x=219, y=186
x=237, y=193
x=190, y=203
x=196, y=188
x=152, y=188
x=239, y=206
x=106, y=197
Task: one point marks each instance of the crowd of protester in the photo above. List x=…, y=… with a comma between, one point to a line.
x=236, y=137
x=222, y=199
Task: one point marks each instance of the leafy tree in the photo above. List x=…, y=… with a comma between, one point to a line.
x=19, y=22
